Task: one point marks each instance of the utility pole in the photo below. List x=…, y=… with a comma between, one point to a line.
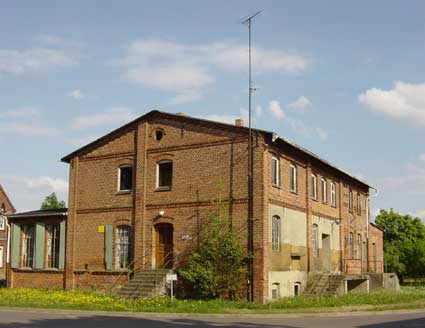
x=250, y=263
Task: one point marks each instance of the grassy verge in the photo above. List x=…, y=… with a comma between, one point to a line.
x=377, y=300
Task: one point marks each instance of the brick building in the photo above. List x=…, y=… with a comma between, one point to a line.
x=138, y=195
x=6, y=207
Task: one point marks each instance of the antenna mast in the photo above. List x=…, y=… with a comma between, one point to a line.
x=250, y=263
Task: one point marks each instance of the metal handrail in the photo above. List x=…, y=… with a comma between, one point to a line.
x=127, y=270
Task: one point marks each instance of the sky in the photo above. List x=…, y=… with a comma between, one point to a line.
x=343, y=79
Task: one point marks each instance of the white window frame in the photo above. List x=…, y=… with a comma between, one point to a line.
x=315, y=239
x=1, y=256
x=293, y=178
x=119, y=178
x=2, y=222
x=275, y=162
x=359, y=246
x=275, y=291
x=324, y=188
x=314, y=186
x=351, y=246
x=157, y=174
x=333, y=194
x=276, y=233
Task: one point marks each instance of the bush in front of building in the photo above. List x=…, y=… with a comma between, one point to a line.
x=216, y=268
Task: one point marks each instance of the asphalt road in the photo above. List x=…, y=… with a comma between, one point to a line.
x=66, y=319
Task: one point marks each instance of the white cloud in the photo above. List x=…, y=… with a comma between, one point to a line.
x=229, y=119
x=51, y=53
x=276, y=110
x=28, y=130
x=422, y=157
x=188, y=68
x=405, y=101
x=76, y=94
x=27, y=193
x=113, y=116
x=279, y=113
x=186, y=97
x=300, y=103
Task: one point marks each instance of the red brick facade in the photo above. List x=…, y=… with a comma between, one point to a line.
x=209, y=160
x=6, y=207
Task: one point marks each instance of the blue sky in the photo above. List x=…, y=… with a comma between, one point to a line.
x=343, y=79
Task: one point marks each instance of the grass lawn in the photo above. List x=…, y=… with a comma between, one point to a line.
x=408, y=298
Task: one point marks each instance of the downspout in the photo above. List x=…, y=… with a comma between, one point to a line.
x=368, y=223
x=7, y=250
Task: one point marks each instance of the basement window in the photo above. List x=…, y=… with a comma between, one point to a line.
x=125, y=178
x=275, y=291
x=164, y=175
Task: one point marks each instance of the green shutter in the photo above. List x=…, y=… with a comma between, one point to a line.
x=108, y=247
x=40, y=231
x=16, y=239
x=62, y=245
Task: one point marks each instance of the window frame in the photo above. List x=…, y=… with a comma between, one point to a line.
x=350, y=201
x=315, y=239
x=2, y=222
x=276, y=233
x=359, y=206
x=324, y=190
x=119, y=190
x=164, y=188
x=1, y=257
x=359, y=246
x=28, y=262
x=53, y=246
x=333, y=194
x=351, y=246
x=275, y=164
x=122, y=245
x=293, y=178
x=313, y=180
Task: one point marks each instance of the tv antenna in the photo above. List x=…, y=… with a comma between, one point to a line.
x=248, y=21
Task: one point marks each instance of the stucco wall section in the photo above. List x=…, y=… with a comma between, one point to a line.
x=286, y=281
x=329, y=227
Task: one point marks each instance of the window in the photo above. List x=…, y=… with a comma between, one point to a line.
x=1, y=256
x=125, y=178
x=53, y=245
x=297, y=288
x=315, y=239
x=2, y=222
x=276, y=233
x=158, y=135
x=359, y=207
x=313, y=187
x=350, y=201
x=275, y=291
x=324, y=191
x=164, y=175
x=350, y=246
x=275, y=171
x=333, y=194
x=292, y=178
x=2, y=208
x=28, y=246
x=359, y=246
x=122, y=247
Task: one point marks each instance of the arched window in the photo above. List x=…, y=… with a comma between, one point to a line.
x=297, y=288
x=122, y=249
x=315, y=239
x=350, y=246
x=276, y=233
x=275, y=291
x=359, y=246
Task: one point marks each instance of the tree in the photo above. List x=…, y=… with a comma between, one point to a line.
x=217, y=266
x=51, y=202
x=404, y=244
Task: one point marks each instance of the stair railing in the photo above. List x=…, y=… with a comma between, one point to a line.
x=128, y=270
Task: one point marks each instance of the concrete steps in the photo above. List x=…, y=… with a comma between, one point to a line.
x=324, y=285
x=145, y=283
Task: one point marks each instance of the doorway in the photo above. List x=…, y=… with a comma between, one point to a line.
x=164, y=246
x=326, y=252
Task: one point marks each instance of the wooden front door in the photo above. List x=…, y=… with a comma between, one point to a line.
x=164, y=246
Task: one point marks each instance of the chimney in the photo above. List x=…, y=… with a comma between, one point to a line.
x=239, y=122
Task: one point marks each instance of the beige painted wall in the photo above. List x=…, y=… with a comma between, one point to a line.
x=286, y=281
x=328, y=227
x=293, y=225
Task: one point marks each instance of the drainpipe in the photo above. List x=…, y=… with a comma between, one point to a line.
x=368, y=223
x=7, y=250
